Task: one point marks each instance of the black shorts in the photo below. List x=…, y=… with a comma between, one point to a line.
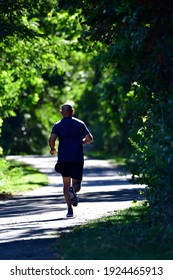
x=70, y=169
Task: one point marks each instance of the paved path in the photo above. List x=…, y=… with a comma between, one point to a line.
x=30, y=222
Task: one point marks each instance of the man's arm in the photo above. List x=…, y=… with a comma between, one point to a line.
x=88, y=139
x=52, y=140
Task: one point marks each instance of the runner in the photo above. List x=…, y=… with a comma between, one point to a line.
x=72, y=133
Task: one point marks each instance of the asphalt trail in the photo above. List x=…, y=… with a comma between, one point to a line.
x=30, y=222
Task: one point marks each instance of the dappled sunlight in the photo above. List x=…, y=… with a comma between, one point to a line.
x=26, y=217
x=41, y=213
x=43, y=163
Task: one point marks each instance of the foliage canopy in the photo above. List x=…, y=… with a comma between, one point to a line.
x=114, y=60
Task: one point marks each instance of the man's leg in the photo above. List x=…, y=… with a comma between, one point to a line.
x=76, y=184
x=67, y=182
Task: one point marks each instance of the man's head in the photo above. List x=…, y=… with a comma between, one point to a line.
x=66, y=110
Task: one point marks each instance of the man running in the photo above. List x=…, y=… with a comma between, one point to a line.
x=72, y=133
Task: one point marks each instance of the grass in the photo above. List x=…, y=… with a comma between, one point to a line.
x=21, y=178
x=126, y=235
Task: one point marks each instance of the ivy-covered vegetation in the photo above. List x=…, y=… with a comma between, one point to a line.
x=113, y=59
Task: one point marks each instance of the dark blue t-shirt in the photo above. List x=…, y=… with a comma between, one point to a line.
x=70, y=132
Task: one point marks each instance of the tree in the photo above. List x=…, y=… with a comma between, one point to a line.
x=19, y=35
x=138, y=46
x=39, y=72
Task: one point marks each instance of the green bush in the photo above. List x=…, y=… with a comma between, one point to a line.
x=153, y=154
x=8, y=174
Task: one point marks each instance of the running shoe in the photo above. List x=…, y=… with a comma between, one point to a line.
x=73, y=196
x=69, y=213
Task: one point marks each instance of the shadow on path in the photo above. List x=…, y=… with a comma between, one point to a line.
x=29, y=223
x=112, y=196
x=30, y=205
